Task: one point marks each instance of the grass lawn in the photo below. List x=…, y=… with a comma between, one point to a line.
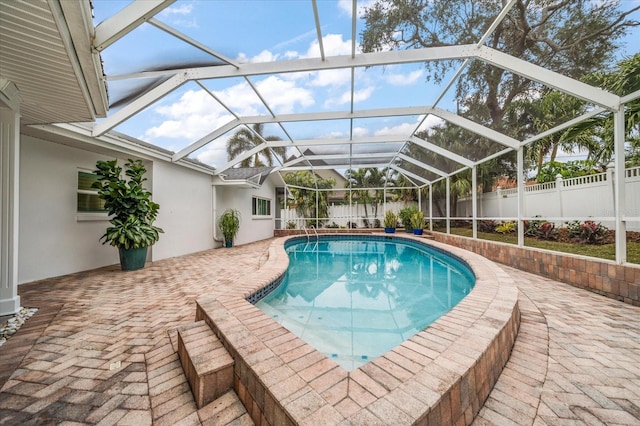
x=604, y=251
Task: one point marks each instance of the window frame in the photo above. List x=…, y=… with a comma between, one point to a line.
x=82, y=216
x=255, y=207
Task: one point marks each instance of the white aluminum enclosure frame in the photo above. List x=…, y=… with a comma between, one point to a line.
x=140, y=12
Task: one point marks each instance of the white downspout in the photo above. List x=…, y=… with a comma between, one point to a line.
x=214, y=216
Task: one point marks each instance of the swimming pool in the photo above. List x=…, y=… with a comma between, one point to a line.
x=354, y=298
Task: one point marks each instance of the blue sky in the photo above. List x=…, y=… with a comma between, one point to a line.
x=258, y=31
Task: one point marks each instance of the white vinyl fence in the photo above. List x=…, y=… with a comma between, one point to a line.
x=345, y=215
x=565, y=200
x=586, y=197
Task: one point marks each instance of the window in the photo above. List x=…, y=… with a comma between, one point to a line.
x=88, y=201
x=261, y=207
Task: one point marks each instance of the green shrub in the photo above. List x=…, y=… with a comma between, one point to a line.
x=588, y=232
x=567, y=170
x=547, y=231
x=390, y=219
x=507, y=227
x=487, y=225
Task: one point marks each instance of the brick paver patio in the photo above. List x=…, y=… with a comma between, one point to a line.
x=101, y=350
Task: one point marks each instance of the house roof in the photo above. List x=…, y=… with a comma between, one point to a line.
x=257, y=174
x=46, y=54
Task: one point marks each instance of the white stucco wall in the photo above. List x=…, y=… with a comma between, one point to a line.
x=251, y=228
x=52, y=242
x=185, y=198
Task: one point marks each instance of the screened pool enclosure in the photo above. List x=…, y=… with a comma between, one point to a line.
x=345, y=103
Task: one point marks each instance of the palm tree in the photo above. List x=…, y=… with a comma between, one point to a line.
x=531, y=117
x=244, y=140
x=364, y=179
x=597, y=132
x=309, y=203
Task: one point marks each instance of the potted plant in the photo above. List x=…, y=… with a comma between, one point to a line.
x=405, y=217
x=417, y=222
x=390, y=222
x=131, y=210
x=229, y=223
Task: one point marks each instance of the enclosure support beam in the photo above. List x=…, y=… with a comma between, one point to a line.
x=618, y=186
x=474, y=201
x=520, y=182
x=448, y=206
x=430, y=207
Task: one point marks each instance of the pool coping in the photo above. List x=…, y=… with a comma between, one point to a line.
x=442, y=374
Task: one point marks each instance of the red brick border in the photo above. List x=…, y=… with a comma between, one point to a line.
x=620, y=282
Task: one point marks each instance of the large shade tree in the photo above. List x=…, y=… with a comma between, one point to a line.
x=246, y=139
x=572, y=37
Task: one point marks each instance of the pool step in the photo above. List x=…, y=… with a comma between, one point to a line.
x=226, y=410
x=206, y=363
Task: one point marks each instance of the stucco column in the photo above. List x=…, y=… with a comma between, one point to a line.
x=9, y=196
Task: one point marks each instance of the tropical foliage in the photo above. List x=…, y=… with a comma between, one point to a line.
x=247, y=139
x=566, y=170
x=128, y=203
x=405, y=216
x=390, y=219
x=362, y=181
x=596, y=133
x=229, y=224
x=307, y=201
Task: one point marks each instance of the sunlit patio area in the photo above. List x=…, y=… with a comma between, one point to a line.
x=101, y=350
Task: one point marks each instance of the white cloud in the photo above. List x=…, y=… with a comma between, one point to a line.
x=264, y=56
x=345, y=98
x=194, y=115
x=403, y=129
x=404, y=79
x=182, y=9
x=431, y=122
x=214, y=154
x=406, y=129
x=283, y=95
x=327, y=78
x=360, y=132
x=176, y=14
x=345, y=6
x=333, y=45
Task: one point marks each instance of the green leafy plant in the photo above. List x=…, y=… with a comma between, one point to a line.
x=588, y=232
x=129, y=203
x=229, y=224
x=390, y=219
x=417, y=220
x=546, y=231
x=487, y=225
x=569, y=169
x=531, y=227
x=506, y=227
x=405, y=215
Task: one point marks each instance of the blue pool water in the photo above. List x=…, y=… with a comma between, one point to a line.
x=355, y=298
